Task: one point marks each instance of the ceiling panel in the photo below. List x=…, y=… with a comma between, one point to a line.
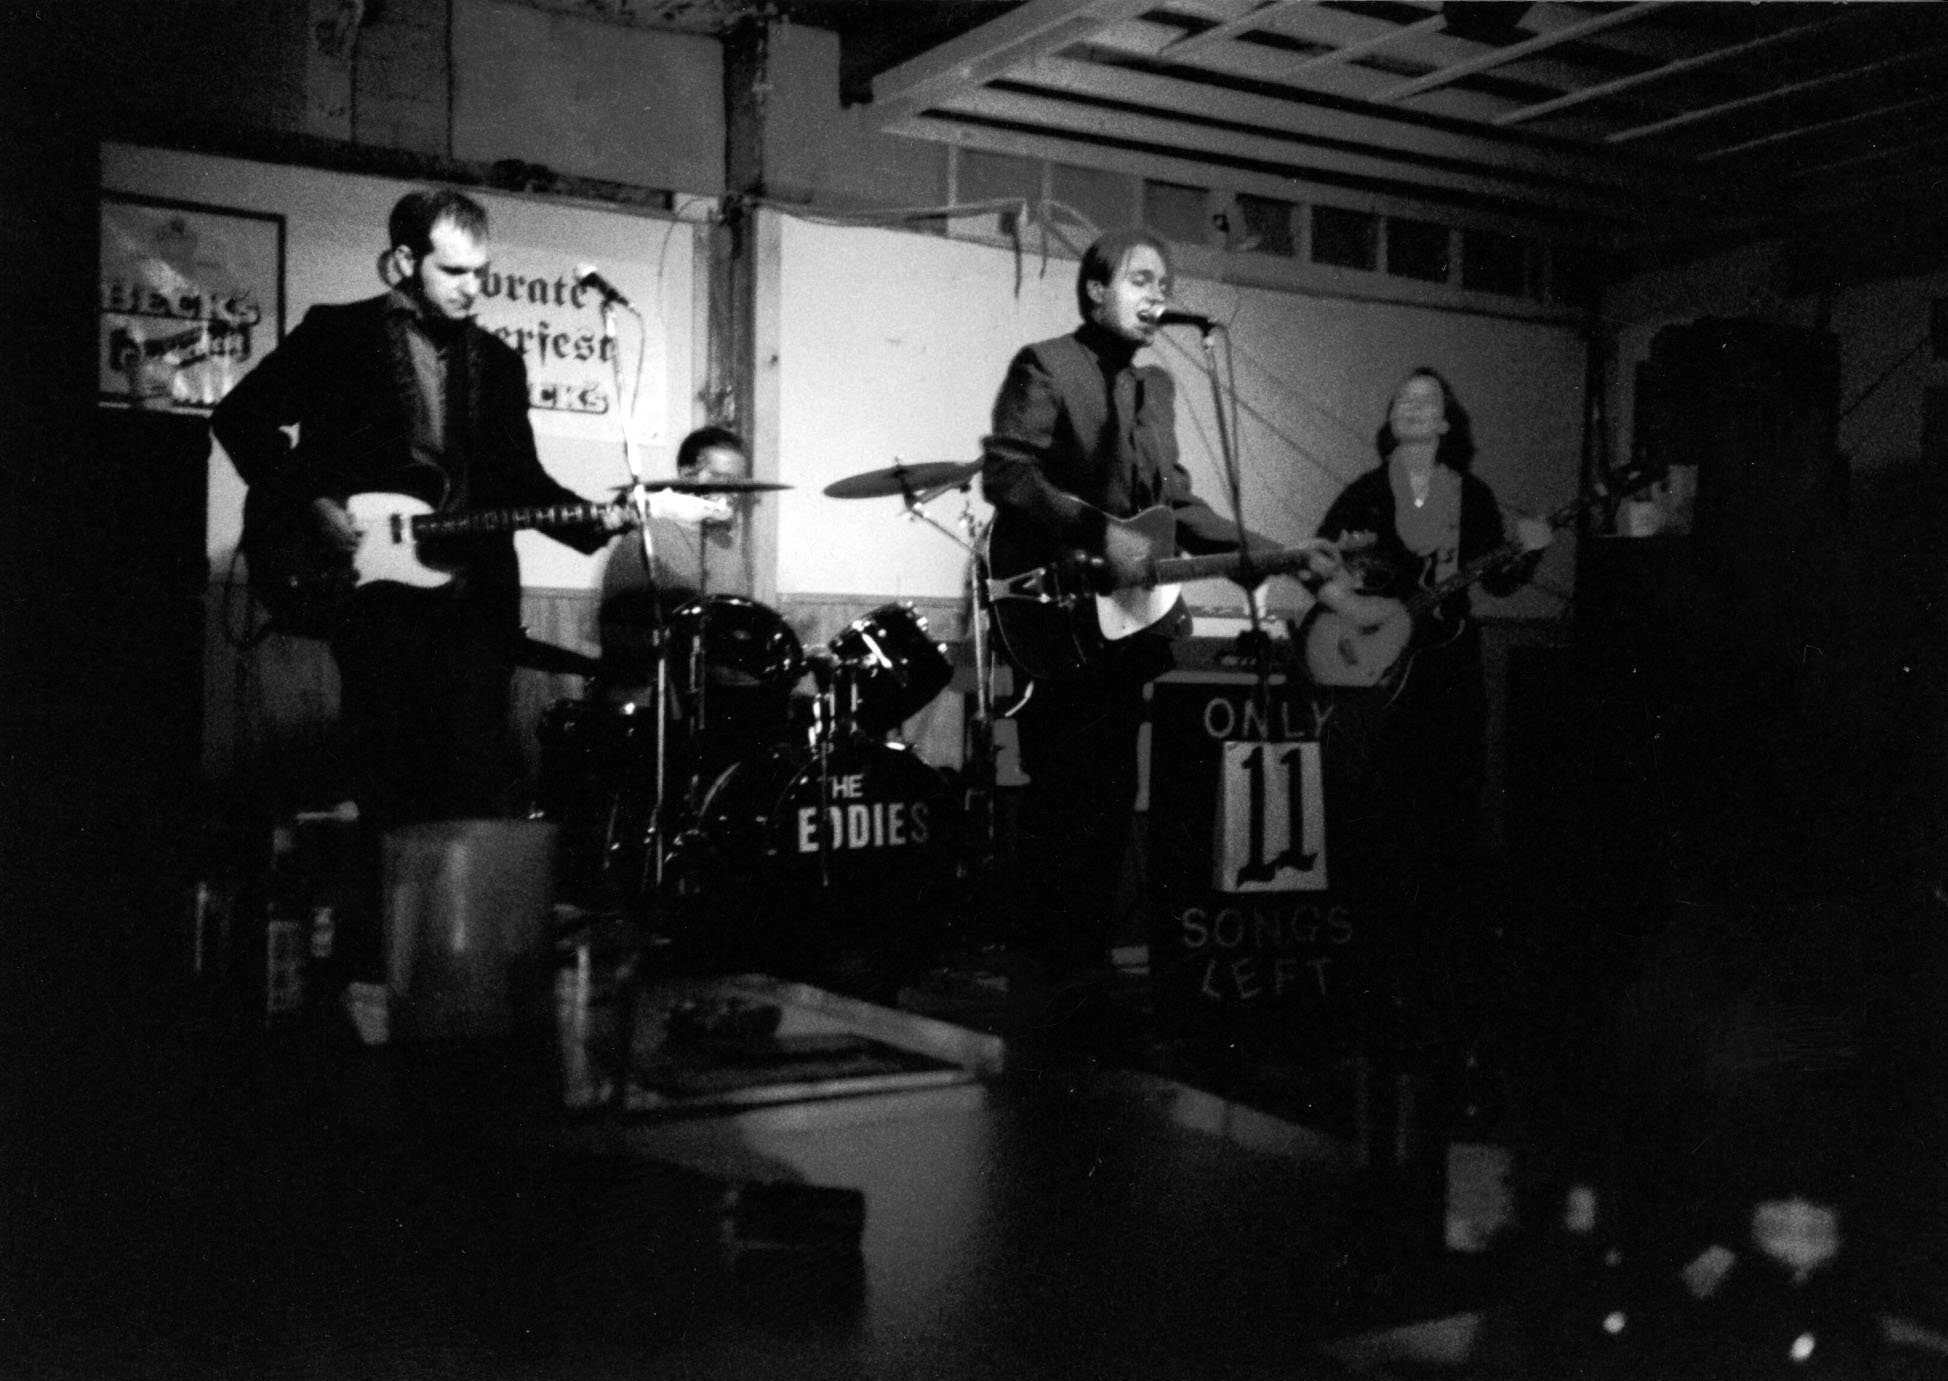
x=1662, y=128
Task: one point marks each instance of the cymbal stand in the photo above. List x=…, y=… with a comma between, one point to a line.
x=826, y=671
x=981, y=752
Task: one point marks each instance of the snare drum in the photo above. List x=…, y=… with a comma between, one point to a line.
x=803, y=873
x=894, y=667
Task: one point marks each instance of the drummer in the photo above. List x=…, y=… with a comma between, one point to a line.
x=690, y=561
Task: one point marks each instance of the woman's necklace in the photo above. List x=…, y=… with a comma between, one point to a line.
x=1421, y=482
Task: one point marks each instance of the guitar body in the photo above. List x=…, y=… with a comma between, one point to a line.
x=1055, y=614
x=1345, y=651
x=387, y=549
x=1058, y=624
x=306, y=583
x=303, y=581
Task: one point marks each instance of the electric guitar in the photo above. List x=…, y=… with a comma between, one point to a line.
x=1373, y=640
x=306, y=583
x=1055, y=617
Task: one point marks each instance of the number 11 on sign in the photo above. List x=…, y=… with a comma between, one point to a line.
x=1271, y=820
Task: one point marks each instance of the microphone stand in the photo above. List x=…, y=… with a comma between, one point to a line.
x=629, y=978
x=1254, y=640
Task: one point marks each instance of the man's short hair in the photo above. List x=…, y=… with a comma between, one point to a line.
x=1103, y=258
x=703, y=439
x=415, y=214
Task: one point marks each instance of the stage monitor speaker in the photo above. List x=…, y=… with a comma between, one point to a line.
x=1754, y=405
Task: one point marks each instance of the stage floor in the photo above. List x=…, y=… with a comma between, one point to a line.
x=323, y=1208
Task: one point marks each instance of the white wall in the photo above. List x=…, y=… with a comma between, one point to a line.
x=334, y=231
x=893, y=344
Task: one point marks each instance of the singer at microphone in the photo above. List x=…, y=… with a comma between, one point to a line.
x=590, y=277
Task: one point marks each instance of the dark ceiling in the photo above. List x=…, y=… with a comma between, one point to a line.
x=1657, y=129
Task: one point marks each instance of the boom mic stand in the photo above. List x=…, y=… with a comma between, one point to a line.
x=629, y=979
x=1254, y=642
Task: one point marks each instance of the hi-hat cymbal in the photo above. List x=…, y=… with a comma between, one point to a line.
x=904, y=480
x=712, y=486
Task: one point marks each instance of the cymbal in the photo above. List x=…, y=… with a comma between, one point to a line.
x=716, y=486
x=904, y=480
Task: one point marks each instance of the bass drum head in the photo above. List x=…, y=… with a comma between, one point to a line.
x=842, y=877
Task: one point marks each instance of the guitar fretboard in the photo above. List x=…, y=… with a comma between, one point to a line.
x=1176, y=570
x=1629, y=481
x=505, y=519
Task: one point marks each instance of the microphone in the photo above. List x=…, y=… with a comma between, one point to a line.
x=588, y=276
x=1171, y=316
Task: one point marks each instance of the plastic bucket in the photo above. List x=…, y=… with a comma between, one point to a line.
x=467, y=907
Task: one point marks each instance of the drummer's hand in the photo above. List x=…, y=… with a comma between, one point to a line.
x=335, y=522
x=688, y=510
x=1532, y=534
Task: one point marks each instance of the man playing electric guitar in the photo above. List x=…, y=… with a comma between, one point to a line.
x=405, y=394
x=1081, y=431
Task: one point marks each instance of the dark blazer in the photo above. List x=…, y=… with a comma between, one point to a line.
x=1052, y=460
x=344, y=377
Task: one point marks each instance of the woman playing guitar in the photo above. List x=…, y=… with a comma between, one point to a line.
x=1429, y=518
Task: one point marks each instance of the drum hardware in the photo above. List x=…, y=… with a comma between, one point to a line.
x=916, y=484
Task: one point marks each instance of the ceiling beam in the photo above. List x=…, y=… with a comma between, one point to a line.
x=1819, y=127
x=1143, y=39
x=1676, y=68
x=1192, y=171
x=1692, y=117
x=1036, y=29
x=1501, y=57
x=1094, y=81
x=1091, y=123
x=1252, y=19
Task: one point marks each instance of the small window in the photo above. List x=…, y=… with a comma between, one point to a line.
x=1417, y=249
x=1345, y=239
x=1575, y=275
x=1493, y=262
x=1267, y=225
x=1176, y=212
x=1106, y=200
x=997, y=177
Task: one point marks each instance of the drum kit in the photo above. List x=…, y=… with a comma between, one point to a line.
x=752, y=806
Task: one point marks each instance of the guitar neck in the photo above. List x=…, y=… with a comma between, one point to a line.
x=1428, y=597
x=505, y=519
x=1177, y=570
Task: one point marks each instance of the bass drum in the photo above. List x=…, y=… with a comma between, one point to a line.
x=842, y=877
